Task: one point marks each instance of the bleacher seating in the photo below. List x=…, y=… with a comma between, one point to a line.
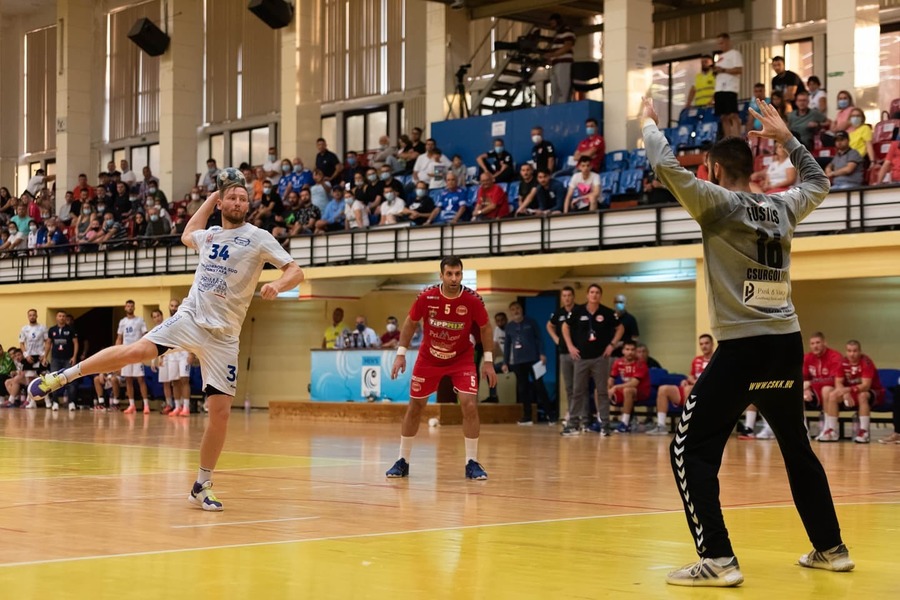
x=616, y=160
x=638, y=159
x=609, y=186
x=631, y=182
x=885, y=131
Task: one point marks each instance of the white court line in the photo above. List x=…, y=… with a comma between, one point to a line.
x=361, y=536
x=243, y=522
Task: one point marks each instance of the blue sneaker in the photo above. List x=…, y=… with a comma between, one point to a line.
x=623, y=427
x=474, y=470
x=400, y=469
x=45, y=384
x=201, y=495
x=595, y=427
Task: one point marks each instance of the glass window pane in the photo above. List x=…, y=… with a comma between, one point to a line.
x=659, y=91
x=683, y=73
x=329, y=129
x=890, y=69
x=33, y=168
x=216, y=150
x=139, y=159
x=798, y=57
x=50, y=167
x=240, y=147
x=259, y=146
x=377, y=127
x=23, y=174
x=354, y=131
x=118, y=155
x=153, y=160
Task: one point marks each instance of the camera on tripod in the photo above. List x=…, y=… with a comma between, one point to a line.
x=462, y=71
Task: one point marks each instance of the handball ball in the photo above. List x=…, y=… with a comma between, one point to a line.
x=229, y=177
x=434, y=422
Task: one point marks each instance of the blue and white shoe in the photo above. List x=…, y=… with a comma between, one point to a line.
x=474, y=470
x=45, y=384
x=201, y=495
x=400, y=469
x=623, y=427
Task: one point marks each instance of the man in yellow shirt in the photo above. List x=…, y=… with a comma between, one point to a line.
x=335, y=330
x=701, y=94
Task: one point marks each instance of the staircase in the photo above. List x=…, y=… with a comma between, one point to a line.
x=511, y=85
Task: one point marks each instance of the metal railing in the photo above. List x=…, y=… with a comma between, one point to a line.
x=846, y=211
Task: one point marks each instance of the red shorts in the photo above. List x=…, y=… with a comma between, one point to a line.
x=426, y=378
x=876, y=397
x=816, y=388
x=618, y=398
x=681, y=395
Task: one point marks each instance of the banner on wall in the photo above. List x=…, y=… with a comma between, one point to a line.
x=370, y=377
x=358, y=375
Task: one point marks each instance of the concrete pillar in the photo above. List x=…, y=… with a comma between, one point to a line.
x=627, y=73
x=301, y=83
x=853, y=38
x=446, y=49
x=180, y=97
x=758, y=44
x=75, y=44
x=10, y=115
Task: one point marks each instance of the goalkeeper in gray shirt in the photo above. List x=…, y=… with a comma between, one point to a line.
x=759, y=360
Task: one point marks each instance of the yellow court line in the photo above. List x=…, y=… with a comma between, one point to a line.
x=361, y=536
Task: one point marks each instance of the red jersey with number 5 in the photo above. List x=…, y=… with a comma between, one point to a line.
x=446, y=325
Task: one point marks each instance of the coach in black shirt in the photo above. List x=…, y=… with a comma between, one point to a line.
x=542, y=153
x=554, y=329
x=591, y=333
x=328, y=162
x=62, y=344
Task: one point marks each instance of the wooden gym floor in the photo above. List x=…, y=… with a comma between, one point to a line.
x=93, y=506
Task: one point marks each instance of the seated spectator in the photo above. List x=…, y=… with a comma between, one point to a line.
x=104, y=199
x=7, y=204
x=643, y=353
x=272, y=167
x=857, y=385
x=302, y=220
x=386, y=155
x=31, y=238
x=491, y=201
x=147, y=180
x=890, y=169
x=805, y=122
x=320, y=190
x=46, y=205
x=81, y=223
x=112, y=232
x=635, y=386
x=548, y=198
x=21, y=218
x=412, y=147
x=458, y=168
x=584, y=188
x=69, y=209
x=527, y=185
x=543, y=153
x=259, y=180
x=391, y=336
x=391, y=207
x=333, y=215
x=112, y=171
x=498, y=162
x=777, y=101
x=845, y=170
x=16, y=240
x=388, y=183
x=435, y=168
x=128, y=175
x=139, y=226
x=860, y=134
x=329, y=163
x=82, y=185
x=656, y=191
x=157, y=227
x=820, y=366
x=356, y=213
x=818, y=98
x=779, y=176
x=86, y=239
x=208, y=181
x=154, y=193
x=452, y=204
x=291, y=205
x=367, y=192
x=362, y=336
x=195, y=201
x=32, y=209
x=51, y=236
x=592, y=146
x=123, y=203
x=675, y=395
x=352, y=168
x=270, y=211
x=285, y=182
x=180, y=221
x=301, y=177
x=420, y=208
x=759, y=98
x=844, y=109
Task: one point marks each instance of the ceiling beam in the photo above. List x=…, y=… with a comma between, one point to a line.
x=511, y=7
x=696, y=9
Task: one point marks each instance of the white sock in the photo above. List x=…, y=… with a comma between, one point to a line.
x=114, y=401
x=71, y=374
x=406, y=447
x=750, y=419
x=471, y=449
x=661, y=419
x=203, y=475
x=131, y=402
x=100, y=401
x=831, y=422
x=626, y=418
x=186, y=404
x=864, y=422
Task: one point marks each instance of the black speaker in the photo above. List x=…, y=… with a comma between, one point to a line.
x=274, y=13
x=149, y=38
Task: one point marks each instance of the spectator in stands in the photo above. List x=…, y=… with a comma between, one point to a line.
x=356, y=213
x=107, y=183
x=704, y=88
x=333, y=215
x=50, y=236
x=778, y=102
x=69, y=209
x=38, y=181
x=452, y=204
x=820, y=366
x=386, y=155
x=543, y=153
x=16, y=240
x=352, y=168
x=31, y=239
x=805, y=122
x=112, y=233
x=157, y=227
x=890, y=169
x=285, y=183
x=358, y=187
x=424, y=167
x=82, y=185
x=149, y=179
x=779, y=176
x=491, y=201
x=123, y=204
x=112, y=171
x=46, y=203
x=861, y=134
x=82, y=221
x=87, y=239
x=548, y=198
x=301, y=177
x=388, y=185
x=459, y=169
x=412, y=148
x=31, y=206
x=857, y=385
x=271, y=209
x=628, y=321
x=593, y=146
x=7, y=204
x=635, y=385
x=656, y=191
x=523, y=349
x=128, y=175
x=391, y=206
x=561, y=57
x=527, y=185
x=259, y=180
x=844, y=108
x=420, y=208
x=209, y=178
x=368, y=191
x=498, y=162
x=846, y=168
x=139, y=227
x=320, y=190
x=643, y=353
x=554, y=330
x=22, y=219
x=272, y=167
x=303, y=220
x=153, y=192
x=391, y=336
x=584, y=188
x=728, y=70
x=291, y=205
x=787, y=82
x=195, y=201
x=818, y=98
x=675, y=395
x=329, y=163
x=362, y=336
x=335, y=331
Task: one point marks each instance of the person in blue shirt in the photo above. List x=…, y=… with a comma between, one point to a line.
x=333, y=215
x=452, y=204
x=546, y=199
x=301, y=176
x=522, y=350
x=284, y=182
x=50, y=235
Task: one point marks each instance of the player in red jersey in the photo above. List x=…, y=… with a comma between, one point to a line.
x=820, y=366
x=449, y=311
x=857, y=384
x=675, y=394
x=635, y=386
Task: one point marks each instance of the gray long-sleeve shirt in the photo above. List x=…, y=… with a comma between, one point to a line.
x=746, y=240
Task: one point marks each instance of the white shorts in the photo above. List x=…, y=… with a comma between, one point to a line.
x=218, y=353
x=135, y=370
x=175, y=366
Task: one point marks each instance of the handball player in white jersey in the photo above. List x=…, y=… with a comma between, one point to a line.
x=208, y=323
x=131, y=329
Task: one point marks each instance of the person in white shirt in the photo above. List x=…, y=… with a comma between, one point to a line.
x=32, y=237
x=208, y=323
x=356, y=213
x=128, y=177
x=16, y=241
x=362, y=336
x=728, y=69
x=32, y=340
x=272, y=167
x=37, y=182
x=584, y=188
x=392, y=206
x=131, y=329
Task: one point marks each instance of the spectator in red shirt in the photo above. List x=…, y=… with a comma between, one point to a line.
x=83, y=185
x=592, y=146
x=492, y=202
x=856, y=385
x=635, y=386
x=891, y=164
x=675, y=394
x=820, y=366
x=391, y=337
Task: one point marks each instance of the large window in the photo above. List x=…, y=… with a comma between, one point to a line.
x=362, y=130
x=40, y=90
x=144, y=156
x=672, y=82
x=890, y=67
x=250, y=146
x=798, y=57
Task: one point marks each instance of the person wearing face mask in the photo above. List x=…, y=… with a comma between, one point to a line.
x=593, y=146
x=285, y=183
x=420, y=207
x=334, y=214
x=83, y=221
x=498, y=162
x=209, y=178
x=195, y=201
x=844, y=108
x=320, y=190
x=33, y=228
x=272, y=167
x=387, y=184
x=362, y=336
x=22, y=219
x=16, y=240
x=356, y=213
x=92, y=231
x=304, y=217
x=157, y=227
x=301, y=177
x=392, y=207
x=352, y=168
x=112, y=233
x=368, y=192
x=860, y=134
x=704, y=88
x=391, y=336
x=543, y=153
x=627, y=320
x=271, y=209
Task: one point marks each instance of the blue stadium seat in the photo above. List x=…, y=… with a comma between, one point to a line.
x=609, y=186
x=707, y=132
x=564, y=179
x=512, y=190
x=638, y=159
x=684, y=137
x=670, y=133
x=631, y=181
x=154, y=387
x=503, y=186
x=890, y=379
x=435, y=195
x=616, y=160
x=689, y=116
x=708, y=114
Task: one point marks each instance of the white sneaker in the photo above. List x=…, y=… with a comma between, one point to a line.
x=766, y=433
x=707, y=573
x=862, y=437
x=829, y=435
x=55, y=406
x=71, y=407
x=835, y=559
x=658, y=430
x=31, y=404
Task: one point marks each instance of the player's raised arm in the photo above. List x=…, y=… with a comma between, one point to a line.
x=291, y=277
x=406, y=334
x=198, y=221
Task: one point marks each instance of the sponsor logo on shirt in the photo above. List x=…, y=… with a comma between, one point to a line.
x=444, y=336
x=599, y=318
x=441, y=355
x=452, y=325
x=241, y=241
x=432, y=311
x=461, y=310
x=415, y=386
x=418, y=379
x=765, y=295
